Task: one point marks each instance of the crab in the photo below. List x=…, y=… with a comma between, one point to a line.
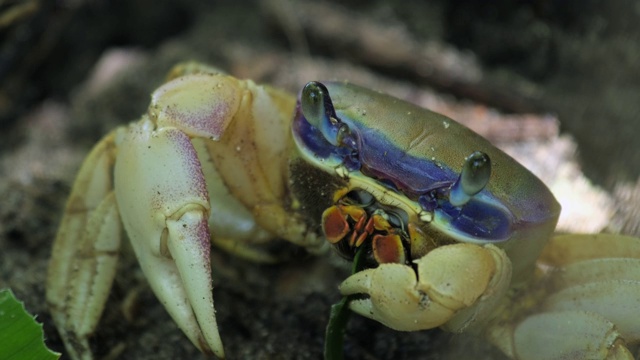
x=452, y=230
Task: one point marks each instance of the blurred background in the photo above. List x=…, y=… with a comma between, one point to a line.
x=556, y=83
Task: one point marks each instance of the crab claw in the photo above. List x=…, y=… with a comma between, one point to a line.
x=164, y=204
x=449, y=279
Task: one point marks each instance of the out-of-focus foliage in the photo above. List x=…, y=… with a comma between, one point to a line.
x=20, y=335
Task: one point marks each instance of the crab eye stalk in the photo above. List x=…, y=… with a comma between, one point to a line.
x=474, y=176
x=318, y=109
x=312, y=102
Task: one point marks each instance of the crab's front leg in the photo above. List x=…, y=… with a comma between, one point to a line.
x=163, y=198
x=456, y=285
x=147, y=177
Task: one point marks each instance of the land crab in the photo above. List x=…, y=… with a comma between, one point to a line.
x=452, y=229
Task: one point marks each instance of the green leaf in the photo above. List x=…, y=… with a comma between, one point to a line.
x=21, y=336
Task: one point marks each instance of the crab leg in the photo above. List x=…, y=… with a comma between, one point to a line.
x=589, y=288
x=85, y=252
x=164, y=204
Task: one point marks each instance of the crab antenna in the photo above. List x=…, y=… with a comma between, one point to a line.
x=474, y=176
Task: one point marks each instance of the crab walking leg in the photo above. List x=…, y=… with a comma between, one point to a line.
x=590, y=270
x=582, y=305
x=164, y=205
x=85, y=252
x=571, y=334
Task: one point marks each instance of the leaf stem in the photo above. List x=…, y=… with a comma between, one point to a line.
x=338, y=319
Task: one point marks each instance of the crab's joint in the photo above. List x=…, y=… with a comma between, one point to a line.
x=474, y=176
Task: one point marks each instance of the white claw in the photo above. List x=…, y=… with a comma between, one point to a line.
x=449, y=279
x=395, y=299
x=164, y=204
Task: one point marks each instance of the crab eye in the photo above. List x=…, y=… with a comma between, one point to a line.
x=312, y=102
x=475, y=175
x=318, y=109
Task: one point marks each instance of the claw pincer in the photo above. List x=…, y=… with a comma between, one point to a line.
x=158, y=170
